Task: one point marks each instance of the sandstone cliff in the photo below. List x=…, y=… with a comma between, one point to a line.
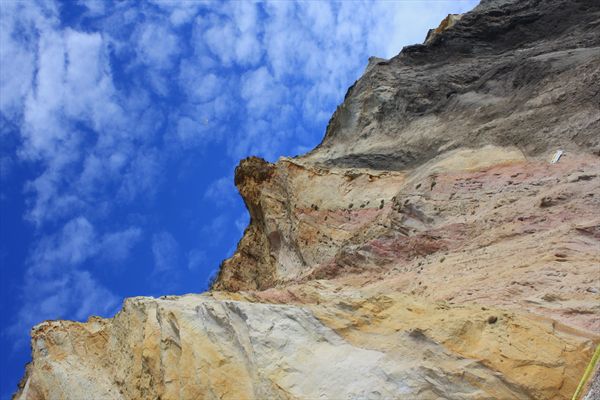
x=426, y=249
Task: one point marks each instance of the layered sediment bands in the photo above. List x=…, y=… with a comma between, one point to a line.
x=329, y=342
x=484, y=225
x=427, y=249
x=300, y=216
x=442, y=253
x=482, y=285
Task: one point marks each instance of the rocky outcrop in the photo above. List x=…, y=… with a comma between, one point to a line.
x=428, y=248
x=446, y=23
x=509, y=73
x=317, y=340
x=252, y=266
x=300, y=216
x=513, y=232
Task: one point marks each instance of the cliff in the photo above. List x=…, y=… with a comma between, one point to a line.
x=427, y=248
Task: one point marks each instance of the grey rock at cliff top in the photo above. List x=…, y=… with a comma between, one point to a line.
x=509, y=73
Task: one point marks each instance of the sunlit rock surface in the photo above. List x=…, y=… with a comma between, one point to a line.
x=427, y=249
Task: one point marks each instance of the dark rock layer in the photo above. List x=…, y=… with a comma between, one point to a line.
x=511, y=73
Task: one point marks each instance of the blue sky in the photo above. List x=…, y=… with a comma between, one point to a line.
x=121, y=124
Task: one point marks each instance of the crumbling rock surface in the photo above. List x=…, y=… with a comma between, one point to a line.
x=426, y=249
x=509, y=73
x=318, y=340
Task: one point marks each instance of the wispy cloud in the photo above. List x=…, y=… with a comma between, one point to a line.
x=116, y=246
x=221, y=192
x=73, y=294
x=55, y=283
x=74, y=244
x=166, y=252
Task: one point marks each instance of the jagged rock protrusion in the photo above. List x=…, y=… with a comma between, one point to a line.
x=326, y=344
x=446, y=23
x=509, y=73
x=251, y=267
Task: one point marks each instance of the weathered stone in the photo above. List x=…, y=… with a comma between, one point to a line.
x=407, y=256
x=510, y=73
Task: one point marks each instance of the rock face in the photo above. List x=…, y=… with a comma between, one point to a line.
x=509, y=73
x=426, y=249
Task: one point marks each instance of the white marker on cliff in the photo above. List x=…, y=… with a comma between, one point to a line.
x=557, y=156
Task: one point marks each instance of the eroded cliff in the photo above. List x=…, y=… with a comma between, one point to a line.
x=426, y=249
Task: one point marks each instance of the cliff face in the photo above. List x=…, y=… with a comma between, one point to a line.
x=322, y=339
x=426, y=249
x=509, y=73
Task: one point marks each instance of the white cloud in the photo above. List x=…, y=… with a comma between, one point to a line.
x=77, y=242
x=88, y=81
x=199, y=86
x=244, y=14
x=318, y=15
x=56, y=286
x=44, y=129
x=142, y=175
x=248, y=49
x=166, y=252
x=260, y=91
x=72, y=85
x=72, y=246
x=180, y=12
x=19, y=27
x=95, y=7
x=47, y=201
x=13, y=87
x=233, y=37
x=116, y=246
x=220, y=39
x=93, y=297
x=72, y=294
x=157, y=45
x=221, y=192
